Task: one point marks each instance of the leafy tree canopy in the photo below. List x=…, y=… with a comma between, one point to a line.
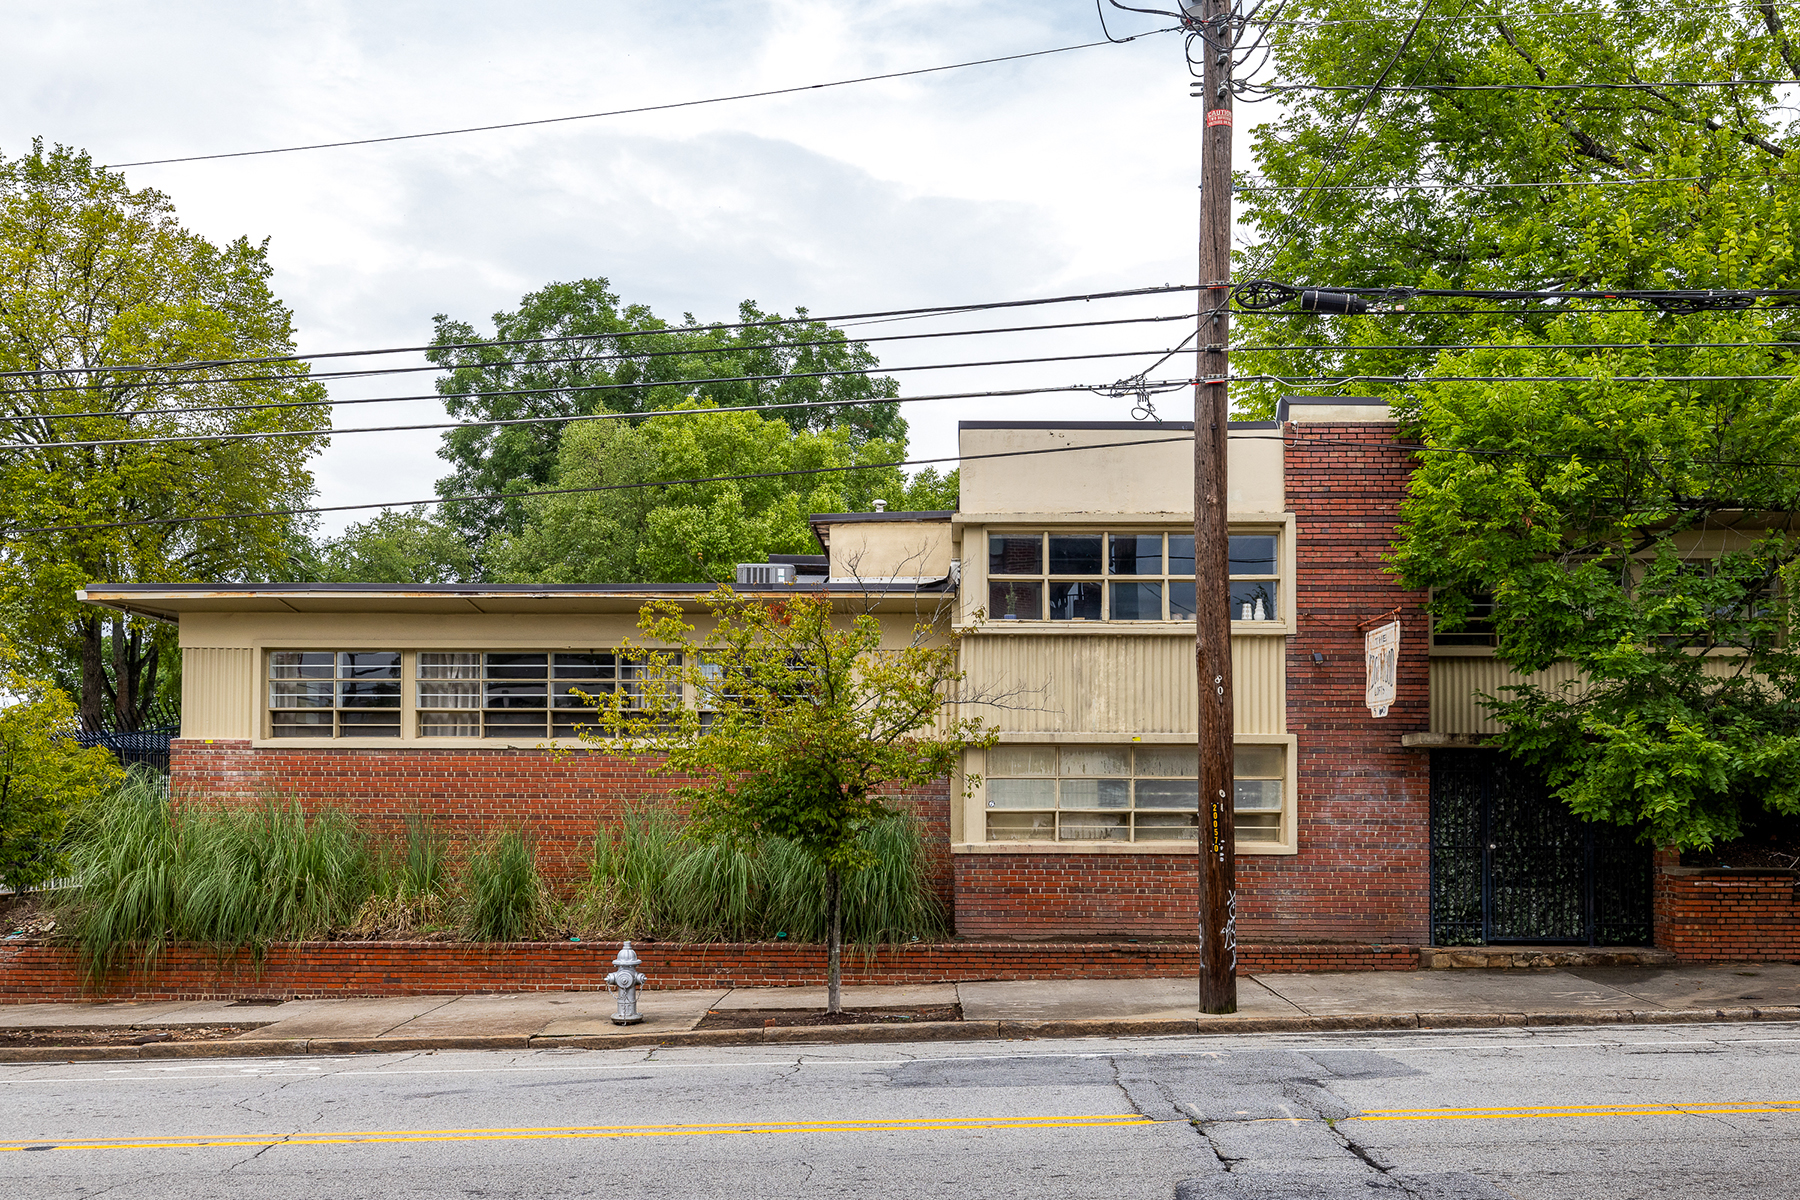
x=571, y=349
x=394, y=547
x=96, y=279
x=1633, y=528
x=46, y=778
x=698, y=532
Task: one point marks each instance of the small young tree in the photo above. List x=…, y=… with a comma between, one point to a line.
x=46, y=777
x=791, y=718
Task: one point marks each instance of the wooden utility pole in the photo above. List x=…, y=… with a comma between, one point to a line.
x=1212, y=571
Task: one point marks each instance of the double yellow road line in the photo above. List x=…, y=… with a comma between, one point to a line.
x=373, y=1137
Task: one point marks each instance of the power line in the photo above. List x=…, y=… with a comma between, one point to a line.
x=604, y=487
x=370, y=373
x=1549, y=183
x=265, y=435
x=1349, y=346
x=622, y=112
x=1263, y=294
x=1584, y=14
x=1513, y=87
x=1293, y=440
x=932, y=310
x=1400, y=380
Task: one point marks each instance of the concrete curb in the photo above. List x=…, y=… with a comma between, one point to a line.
x=924, y=1031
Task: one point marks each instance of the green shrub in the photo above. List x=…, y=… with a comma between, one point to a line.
x=506, y=898
x=47, y=779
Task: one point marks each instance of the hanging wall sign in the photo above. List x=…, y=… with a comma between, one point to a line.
x=1381, y=661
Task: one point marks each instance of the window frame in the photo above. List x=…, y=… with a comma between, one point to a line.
x=979, y=582
x=268, y=680
x=974, y=839
x=261, y=724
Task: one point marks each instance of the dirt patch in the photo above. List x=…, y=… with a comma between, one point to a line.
x=773, y=1018
x=1769, y=840
x=140, y=1035
x=25, y=918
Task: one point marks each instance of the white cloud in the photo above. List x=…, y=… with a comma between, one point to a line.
x=1071, y=172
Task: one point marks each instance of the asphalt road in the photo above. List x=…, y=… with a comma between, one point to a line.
x=1619, y=1113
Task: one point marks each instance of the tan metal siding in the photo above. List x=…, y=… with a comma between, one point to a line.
x=218, y=692
x=1118, y=684
x=1458, y=683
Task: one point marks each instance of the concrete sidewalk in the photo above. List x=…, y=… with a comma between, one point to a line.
x=1066, y=1008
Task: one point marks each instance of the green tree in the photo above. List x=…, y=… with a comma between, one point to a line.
x=697, y=532
x=95, y=280
x=394, y=547
x=1619, y=522
x=609, y=357
x=803, y=722
x=47, y=778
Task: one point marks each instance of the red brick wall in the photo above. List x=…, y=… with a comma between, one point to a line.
x=559, y=799
x=1363, y=870
x=1071, y=895
x=1729, y=916
x=38, y=973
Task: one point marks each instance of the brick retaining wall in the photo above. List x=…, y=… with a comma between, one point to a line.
x=1728, y=915
x=37, y=973
x=468, y=793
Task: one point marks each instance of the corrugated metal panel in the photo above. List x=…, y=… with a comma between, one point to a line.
x=218, y=688
x=1071, y=684
x=1458, y=683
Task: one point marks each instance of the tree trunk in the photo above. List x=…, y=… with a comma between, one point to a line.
x=834, y=941
x=93, y=676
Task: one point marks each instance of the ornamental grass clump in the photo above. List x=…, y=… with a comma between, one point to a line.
x=144, y=875
x=413, y=884
x=646, y=879
x=125, y=865
x=270, y=872
x=506, y=898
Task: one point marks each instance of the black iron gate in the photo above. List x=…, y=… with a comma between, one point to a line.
x=1510, y=863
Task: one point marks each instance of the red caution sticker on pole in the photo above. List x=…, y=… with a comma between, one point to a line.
x=1218, y=116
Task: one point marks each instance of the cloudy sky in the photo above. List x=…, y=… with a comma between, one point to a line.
x=1068, y=173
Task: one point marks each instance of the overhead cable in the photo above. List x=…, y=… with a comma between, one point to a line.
x=622, y=112
x=1515, y=87
x=628, y=356
x=552, y=420
x=604, y=487
x=930, y=310
x=1259, y=186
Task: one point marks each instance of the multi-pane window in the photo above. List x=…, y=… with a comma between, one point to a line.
x=334, y=693
x=518, y=694
x=1121, y=577
x=1123, y=793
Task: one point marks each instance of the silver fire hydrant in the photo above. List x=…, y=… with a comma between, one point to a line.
x=626, y=981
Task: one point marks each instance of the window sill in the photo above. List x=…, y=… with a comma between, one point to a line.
x=1245, y=848
x=416, y=743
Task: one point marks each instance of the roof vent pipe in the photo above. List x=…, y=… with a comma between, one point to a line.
x=881, y=506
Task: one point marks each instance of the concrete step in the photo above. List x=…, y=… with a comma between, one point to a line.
x=1500, y=958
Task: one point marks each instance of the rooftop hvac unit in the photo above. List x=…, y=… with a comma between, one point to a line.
x=764, y=574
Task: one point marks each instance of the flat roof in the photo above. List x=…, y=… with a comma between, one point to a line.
x=167, y=601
